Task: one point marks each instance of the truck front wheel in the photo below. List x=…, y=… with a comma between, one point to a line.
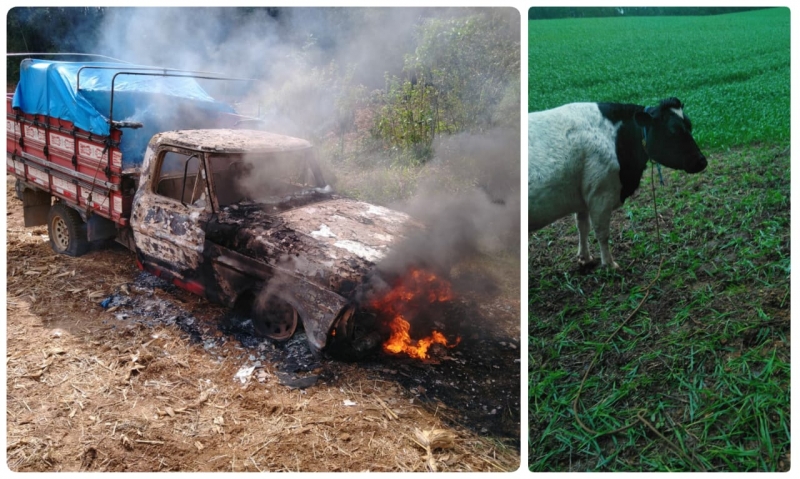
x=67, y=231
x=274, y=318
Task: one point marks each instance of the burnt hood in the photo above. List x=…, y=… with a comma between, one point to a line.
x=349, y=229
x=333, y=243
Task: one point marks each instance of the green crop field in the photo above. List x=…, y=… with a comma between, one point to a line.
x=696, y=378
x=731, y=71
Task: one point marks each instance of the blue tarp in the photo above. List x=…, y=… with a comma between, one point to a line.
x=159, y=103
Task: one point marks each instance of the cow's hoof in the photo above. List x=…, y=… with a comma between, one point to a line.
x=585, y=261
x=587, y=266
x=613, y=265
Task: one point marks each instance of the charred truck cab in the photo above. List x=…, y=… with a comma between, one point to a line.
x=241, y=217
x=245, y=218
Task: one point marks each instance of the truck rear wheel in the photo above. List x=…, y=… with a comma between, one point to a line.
x=67, y=231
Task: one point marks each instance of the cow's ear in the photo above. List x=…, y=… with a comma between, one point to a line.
x=643, y=119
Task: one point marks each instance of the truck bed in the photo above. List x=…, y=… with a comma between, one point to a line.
x=79, y=167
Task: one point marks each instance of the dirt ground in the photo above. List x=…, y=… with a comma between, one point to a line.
x=149, y=383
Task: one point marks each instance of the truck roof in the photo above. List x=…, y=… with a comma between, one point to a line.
x=234, y=141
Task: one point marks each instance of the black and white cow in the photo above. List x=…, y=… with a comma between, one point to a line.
x=587, y=158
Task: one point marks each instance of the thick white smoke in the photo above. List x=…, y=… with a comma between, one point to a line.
x=289, y=47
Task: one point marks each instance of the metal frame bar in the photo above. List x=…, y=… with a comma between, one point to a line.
x=27, y=158
x=65, y=54
x=151, y=71
x=173, y=75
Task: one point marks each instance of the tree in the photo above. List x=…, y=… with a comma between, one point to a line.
x=50, y=30
x=462, y=71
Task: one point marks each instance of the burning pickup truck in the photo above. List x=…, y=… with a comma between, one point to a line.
x=242, y=217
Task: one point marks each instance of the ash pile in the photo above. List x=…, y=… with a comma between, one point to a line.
x=138, y=302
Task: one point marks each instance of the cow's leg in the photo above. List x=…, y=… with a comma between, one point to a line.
x=582, y=219
x=601, y=221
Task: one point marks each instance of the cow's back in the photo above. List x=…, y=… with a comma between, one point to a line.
x=570, y=153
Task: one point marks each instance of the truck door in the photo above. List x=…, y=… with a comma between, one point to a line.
x=169, y=217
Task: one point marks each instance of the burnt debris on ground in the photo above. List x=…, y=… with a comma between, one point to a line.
x=151, y=309
x=475, y=384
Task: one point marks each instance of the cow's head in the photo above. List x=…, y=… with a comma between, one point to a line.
x=668, y=135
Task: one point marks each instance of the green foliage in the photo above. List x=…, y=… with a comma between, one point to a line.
x=408, y=118
x=48, y=30
x=471, y=61
x=732, y=71
x=462, y=76
x=383, y=186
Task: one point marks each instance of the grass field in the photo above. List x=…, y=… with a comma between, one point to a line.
x=731, y=71
x=698, y=377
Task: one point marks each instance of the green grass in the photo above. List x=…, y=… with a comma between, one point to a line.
x=731, y=71
x=705, y=362
x=707, y=356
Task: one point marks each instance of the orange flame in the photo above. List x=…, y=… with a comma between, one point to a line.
x=419, y=285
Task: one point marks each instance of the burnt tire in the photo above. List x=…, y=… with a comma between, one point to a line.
x=274, y=318
x=67, y=231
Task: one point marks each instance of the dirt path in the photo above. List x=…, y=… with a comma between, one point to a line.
x=148, y=384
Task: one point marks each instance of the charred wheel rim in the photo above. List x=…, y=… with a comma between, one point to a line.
x=60, y=233
x=276, y=319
